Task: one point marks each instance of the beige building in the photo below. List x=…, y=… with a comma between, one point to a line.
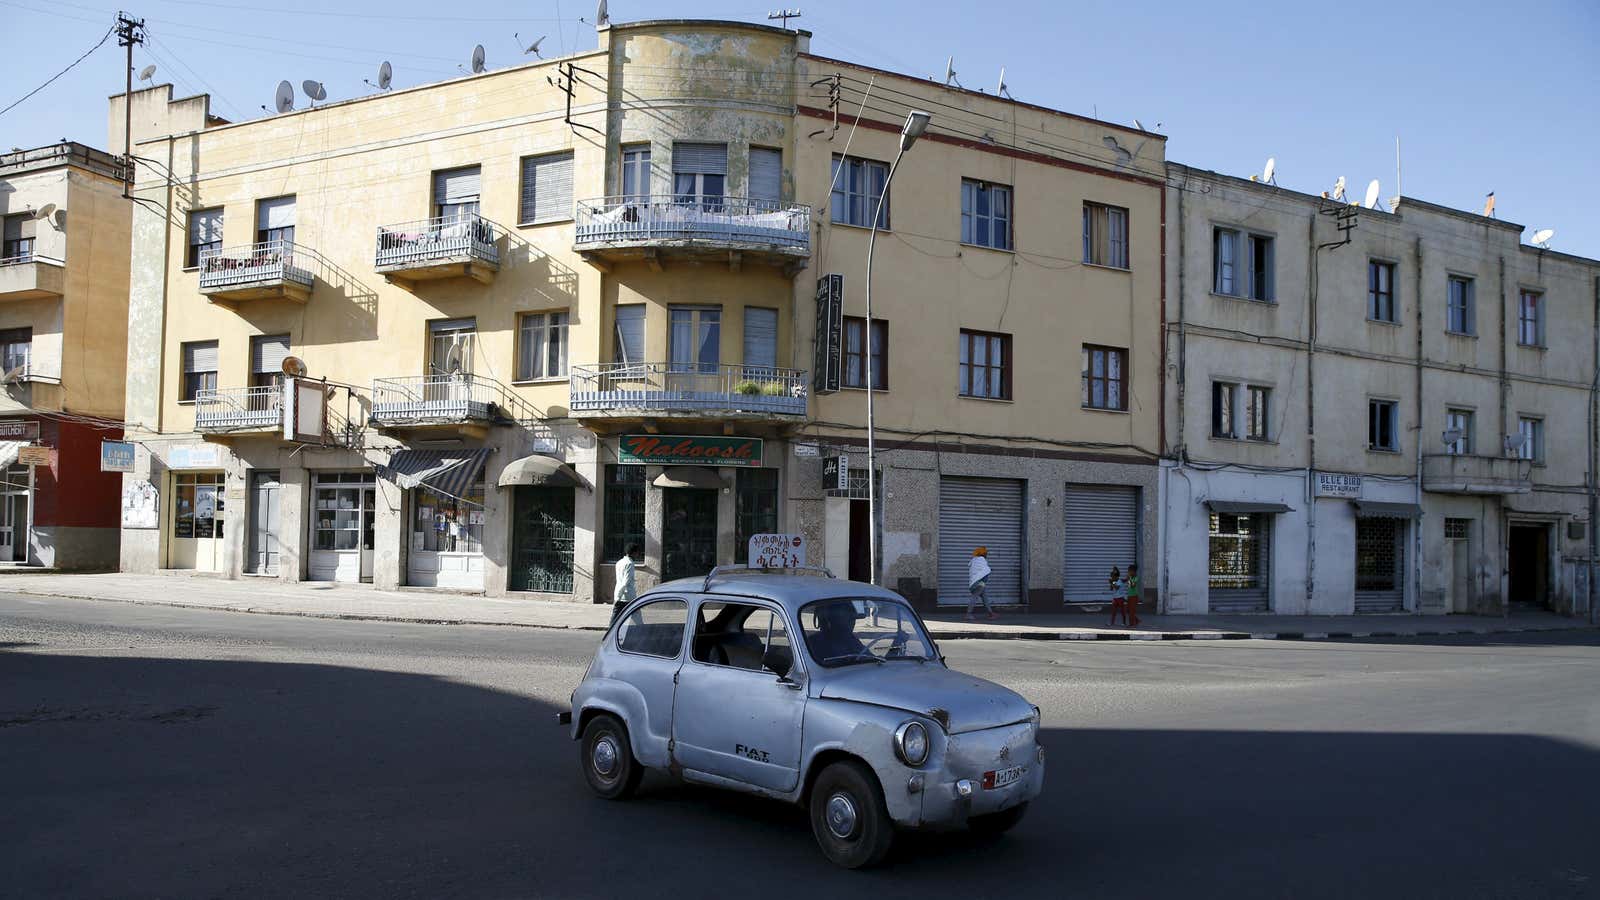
x=1373, y=410
x=554, y=310
x=63, y=319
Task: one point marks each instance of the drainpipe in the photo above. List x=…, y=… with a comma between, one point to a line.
x=1416, y=524
x=1594, y=446
x=1178, y=449
x=1311, y=418
x=1505, y=390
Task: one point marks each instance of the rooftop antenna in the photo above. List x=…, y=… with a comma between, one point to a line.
x=785, y=15
x=285, y=97
x=1541, y=238
x=1000, y=89
x=385, y=76
x=1488, y=205
x=1269, y=173
x=1394, y=202
x=477, y=59
x=1372, y=195
x=950, y=73
x=533, y=47
x=314, y=90
x=146, y=73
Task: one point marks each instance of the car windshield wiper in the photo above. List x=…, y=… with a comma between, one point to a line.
x=858, y=656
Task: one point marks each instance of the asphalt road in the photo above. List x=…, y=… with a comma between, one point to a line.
x=184, y=753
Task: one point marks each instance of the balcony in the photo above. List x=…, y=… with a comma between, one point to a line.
x=656, y=228
x=232, y=410
x=273, y=270
x=1447, y=473
x=676, y=390
x=439, y=248
x=31, y=277
x=445, y=401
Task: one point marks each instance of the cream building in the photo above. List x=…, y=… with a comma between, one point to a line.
x=554, y=310
x=1373, y=410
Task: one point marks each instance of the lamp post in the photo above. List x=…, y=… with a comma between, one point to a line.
x=916, y=124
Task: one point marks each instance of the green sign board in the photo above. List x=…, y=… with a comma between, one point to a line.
x=688, y=450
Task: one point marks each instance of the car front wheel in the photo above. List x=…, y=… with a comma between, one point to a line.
x=848, y=816
x=608, y=763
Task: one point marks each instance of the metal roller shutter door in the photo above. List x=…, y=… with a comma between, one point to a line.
x=1247, y=598
x=980, y=512
x=1102, y=530
x=766, y=174
x=1380, y=564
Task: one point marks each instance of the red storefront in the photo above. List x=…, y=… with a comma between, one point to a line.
x=57, y=509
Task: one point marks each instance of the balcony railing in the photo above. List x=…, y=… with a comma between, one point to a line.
x=444, y=399
x=28, y=276
x=436, y=241
x=239, y=409
x=1449, y=473
x=687, y=388
x=263, y=265
x=726, y=222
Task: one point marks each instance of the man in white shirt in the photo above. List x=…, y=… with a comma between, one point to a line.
x=625, y=590
x=978, y=581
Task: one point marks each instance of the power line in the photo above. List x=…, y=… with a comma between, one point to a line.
x=98, y=44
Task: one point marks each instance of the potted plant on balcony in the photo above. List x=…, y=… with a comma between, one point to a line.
x=747, y=388
x=773, y=389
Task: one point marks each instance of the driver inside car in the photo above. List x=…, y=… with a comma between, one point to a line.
x=836, y=631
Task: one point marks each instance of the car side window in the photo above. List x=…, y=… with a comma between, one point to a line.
x=742, y=636
x=654, y=629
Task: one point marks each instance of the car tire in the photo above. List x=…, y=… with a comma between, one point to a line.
x=607, y=759
x=848, y=816
x=1000, y=822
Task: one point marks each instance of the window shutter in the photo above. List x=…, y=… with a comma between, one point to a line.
x=766, y=174
x=442, y=325
x=267, y=353
x=13, y=227
x=700, y=159
x=547, y=187
x=760, y=337
x=200, y=356
x=278, y=213
x=205, y=226
x=457, y=185
x=630, y=334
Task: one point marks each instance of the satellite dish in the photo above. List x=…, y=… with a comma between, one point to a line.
x=1514, y=442
x=533, y=47
x=314, y=89
x=1270, y=170
x=1000, y=89
x=285, y=98
x=1451, y=436
x=385, y=76
x=453, y=358
x=1339, y=188
x=45, y=211
x=1541, y=238
x=294, y=366
x=1138, y=124
x=601, y=18
x=14, y=375
x=146, y=73
x=477, y=59
x=950, y=72
x=1372, y=195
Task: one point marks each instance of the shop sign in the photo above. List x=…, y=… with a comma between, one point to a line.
x=828, y=363
x=1333, y=484
x=139, y=505
x=807, y=451
x=836, y=473
x=688, y=450
x=116, y=456
x=777, y=551
x=19, y=431
x=33, y=456
x=192, y=458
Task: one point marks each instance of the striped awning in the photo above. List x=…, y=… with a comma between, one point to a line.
x=450, y=472
x=9, y=450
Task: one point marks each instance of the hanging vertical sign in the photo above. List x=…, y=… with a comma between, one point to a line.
x=830, y=334
x=836, y=473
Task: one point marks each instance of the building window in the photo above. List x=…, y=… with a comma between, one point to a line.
x=444, y=524
x=760, y=341
x=1380, y=292
x=450, y=346
x=694, y=338
x=345, y=510
x=1105, y=383
x=855, y=360
x=636, y=173
x=1530, y=319
x=755, y=508
x=628, y=345
x=1257, y=406
x=985, y=214
x=857, y=185
x=18, y=230
x=1224, y=401
x=197, y=505
x=267, y=353
x=1457, y=529
x=456, y=192
x=1460, y=315
x=275, y=220
x=699, y=174
x=1383, y=425
x=1532, y=431
x=1243, y=264
x=205, y=235
x=541, y=345
x=766, y=178
x=199, y=368
x=1240, y=411
x=624, y=512
x=1458, y=422
x=546, y=188
x=16, y=351
x=985, y=365
x=1105, y=235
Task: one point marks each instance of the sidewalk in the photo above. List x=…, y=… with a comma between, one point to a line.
x=356, y=601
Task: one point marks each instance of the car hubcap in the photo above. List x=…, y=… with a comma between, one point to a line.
x=604, y=757
x=841, y=815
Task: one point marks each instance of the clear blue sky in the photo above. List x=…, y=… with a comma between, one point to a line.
x=1486, y=95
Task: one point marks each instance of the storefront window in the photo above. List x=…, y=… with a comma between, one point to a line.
x=342, y=520
x=756, y=508
x=448, y=524
x=1236, y=551
x=624, y=511
x=197, y=505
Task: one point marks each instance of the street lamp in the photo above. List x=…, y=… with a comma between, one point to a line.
x=916, y=124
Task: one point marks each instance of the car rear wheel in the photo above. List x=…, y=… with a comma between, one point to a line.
x=1000, y=822
x=848, y=816
x=608, y=763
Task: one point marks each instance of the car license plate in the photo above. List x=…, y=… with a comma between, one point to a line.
x=1000, y=778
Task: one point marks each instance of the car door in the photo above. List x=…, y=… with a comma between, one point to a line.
x=732, y=717
x=649, y=643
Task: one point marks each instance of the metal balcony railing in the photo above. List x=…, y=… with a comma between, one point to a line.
x=270, y=261
x=725, y=221
x=234, y=409
x=440, y=399
x=687, y=388
x=440, y=239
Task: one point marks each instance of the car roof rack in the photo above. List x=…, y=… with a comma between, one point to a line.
x=821, y=571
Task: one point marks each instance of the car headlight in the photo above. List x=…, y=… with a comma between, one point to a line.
x=1036, y=717
x=911, y=743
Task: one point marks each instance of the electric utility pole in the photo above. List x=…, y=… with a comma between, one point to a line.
x=130, y=31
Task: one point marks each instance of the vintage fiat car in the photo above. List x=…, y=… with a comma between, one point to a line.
x=809, y=689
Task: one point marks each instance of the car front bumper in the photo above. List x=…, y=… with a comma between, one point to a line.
x=954, y=791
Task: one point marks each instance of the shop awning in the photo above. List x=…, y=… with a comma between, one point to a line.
x=1245, y=507
x=538, y=470
x=8, y=452
x=450, y=472
x=1371, y=509
x=689, y=477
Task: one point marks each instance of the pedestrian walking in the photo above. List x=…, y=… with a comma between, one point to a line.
x=978, y=581
x=1133, y=595
x=1119, y=596
x=626, y=589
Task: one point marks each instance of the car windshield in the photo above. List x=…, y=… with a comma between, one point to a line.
x=850, y=630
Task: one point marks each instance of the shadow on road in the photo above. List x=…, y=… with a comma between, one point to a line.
x=144, y=777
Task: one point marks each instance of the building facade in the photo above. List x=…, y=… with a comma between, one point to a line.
x=1373, y=410
x=487, y=334
x=63, y=315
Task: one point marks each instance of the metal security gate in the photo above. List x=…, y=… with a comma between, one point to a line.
x=1240, y=564
x=980, y=512
x=1102, y=531
x=1380, y=564
x=542, y=540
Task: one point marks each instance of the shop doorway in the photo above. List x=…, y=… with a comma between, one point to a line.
x=265, y=490
x=1528, y=565
x=342, y=519
x=1380, y=564
x=197, y=518
x=14, y=493
x=688, y=532
x=860, y=541
x=1458, y=563
x=542, y=540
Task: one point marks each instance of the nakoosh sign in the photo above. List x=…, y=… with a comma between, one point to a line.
x=688, y=450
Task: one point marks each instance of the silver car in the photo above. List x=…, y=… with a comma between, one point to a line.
x=807, y=689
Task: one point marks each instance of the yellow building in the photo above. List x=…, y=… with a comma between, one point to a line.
x=554, y=310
